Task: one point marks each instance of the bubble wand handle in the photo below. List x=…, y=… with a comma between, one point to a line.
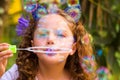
x=14, y=48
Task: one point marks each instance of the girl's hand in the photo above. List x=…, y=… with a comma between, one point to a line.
x=4, y=55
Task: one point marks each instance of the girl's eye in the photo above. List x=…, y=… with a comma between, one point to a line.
x=61, y=35
x=42, y=33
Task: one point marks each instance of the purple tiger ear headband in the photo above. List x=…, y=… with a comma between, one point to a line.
x=39, y=8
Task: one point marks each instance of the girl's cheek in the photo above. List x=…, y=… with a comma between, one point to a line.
x=39, y=42
x=68, y=42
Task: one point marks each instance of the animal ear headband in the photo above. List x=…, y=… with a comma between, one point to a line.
x=39, y=8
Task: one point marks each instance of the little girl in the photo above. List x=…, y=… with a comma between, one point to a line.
x=57, y=30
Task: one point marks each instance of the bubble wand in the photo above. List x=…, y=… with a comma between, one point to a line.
x=41, y=49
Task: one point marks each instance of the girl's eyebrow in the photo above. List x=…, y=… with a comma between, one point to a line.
x=62, y=31
x=42, y=30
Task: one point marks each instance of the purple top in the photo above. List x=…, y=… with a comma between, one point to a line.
x=12, y=74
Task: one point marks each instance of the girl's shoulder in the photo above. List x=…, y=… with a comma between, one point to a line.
x=11, y=74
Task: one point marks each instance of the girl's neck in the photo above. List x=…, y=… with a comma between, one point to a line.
x=52, y=72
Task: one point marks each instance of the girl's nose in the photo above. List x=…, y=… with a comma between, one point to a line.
x=51, y=39
x=50, y=42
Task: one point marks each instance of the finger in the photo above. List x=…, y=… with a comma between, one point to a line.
x=2, y=48
x=5, y=57
x=4, y=44
x=6, y=52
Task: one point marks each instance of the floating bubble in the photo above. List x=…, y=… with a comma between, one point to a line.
x=88, y=63
x=103, y=73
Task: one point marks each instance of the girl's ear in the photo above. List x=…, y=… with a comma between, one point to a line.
x=32, y=42
x=73, y=48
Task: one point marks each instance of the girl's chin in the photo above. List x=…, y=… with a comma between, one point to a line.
x=53, y=57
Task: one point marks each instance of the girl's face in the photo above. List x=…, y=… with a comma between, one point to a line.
x=53, y=31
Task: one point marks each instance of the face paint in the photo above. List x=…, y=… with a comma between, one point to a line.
x=60, y=34
x=42, y=33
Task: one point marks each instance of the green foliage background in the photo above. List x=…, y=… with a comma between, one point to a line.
x=101, y=18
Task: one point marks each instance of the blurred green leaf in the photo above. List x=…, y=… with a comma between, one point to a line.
x=103, y=33
x=117, y=27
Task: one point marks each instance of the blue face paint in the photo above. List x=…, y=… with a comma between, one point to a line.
x=42, y=33
x=60, y=34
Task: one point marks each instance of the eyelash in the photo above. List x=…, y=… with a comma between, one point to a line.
x=43, y=34
x=61, y=35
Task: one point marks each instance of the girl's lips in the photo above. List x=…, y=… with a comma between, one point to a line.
x=50, y=54
x=51, y=50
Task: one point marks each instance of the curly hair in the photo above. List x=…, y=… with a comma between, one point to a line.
x=28, y=61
